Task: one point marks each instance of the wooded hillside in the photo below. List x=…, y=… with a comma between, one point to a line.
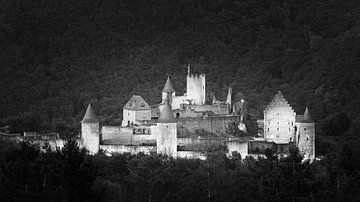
x=56, y=56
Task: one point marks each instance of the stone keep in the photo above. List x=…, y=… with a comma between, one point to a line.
x=90, y=131
x=305, y=136
x=166, y=138
x=279, y=120
x=195, y=88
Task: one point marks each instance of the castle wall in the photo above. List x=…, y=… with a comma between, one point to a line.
x=195, y=88
x=110, y=132
x=191, y=155
x=129, y=135
x=215, y=124
x=109, y=149
x=239, y=147
x=187, y=110
x=177, y=101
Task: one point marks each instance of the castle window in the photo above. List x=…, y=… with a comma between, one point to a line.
x=268, y=129
x=277, y=129
x=304, y=129
x=289, y=129
x=278, y=122
x=269, y=122
x=307, y=138
x=278, y=114
x=292, y=123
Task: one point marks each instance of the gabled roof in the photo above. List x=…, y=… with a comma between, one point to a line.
x=168, y=88
x=306, y=118
x=90, y=116
x=136, y=102
x=279, y=101
x=166, y=115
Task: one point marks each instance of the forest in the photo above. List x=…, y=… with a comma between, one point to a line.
x=70, y=174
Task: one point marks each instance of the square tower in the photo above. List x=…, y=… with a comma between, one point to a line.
x=195, y=88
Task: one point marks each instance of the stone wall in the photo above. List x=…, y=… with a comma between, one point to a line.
x=128, y=135
x=187, y=110
x=215, y=124
x=110, y=149
x=191, y=155
x=239, y=147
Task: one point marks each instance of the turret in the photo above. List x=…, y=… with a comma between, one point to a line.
x=305, y=136
x=166, y=140
x=90, y=131
x=168, y=91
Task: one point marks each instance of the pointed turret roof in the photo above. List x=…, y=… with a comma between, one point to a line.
x=168, y=88
x=167, y=115
x=306, y=118
x=90, y=116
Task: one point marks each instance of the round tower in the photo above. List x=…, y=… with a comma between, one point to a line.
x=90, y=131
x=166, y=138
x=168, y=91
x=305, y=136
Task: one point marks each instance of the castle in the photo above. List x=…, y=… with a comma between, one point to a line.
x=176, y=126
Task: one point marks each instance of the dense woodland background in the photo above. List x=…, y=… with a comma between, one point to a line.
x=56, y=56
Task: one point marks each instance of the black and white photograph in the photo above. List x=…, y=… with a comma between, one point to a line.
x=179, y=100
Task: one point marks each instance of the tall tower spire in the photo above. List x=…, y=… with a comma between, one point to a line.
x=90, y=131
x=90, y=116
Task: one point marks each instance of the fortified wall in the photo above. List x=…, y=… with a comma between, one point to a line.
x=214, y=124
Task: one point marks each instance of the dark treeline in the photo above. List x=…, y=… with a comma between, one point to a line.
x=69, y=174
x=56, y=56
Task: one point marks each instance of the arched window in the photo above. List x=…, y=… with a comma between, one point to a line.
x=277, y=129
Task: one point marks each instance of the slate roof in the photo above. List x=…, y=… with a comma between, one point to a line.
x=166, y=115
x=136, y=102
x=90, y=116
x=306, y=118
x=168, y=88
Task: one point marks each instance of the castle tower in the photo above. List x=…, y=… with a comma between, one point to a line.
x=168, y=91
x=305, y=136
x=279, y=120
x=166, y=139
x=90, y=131
x=195, y=88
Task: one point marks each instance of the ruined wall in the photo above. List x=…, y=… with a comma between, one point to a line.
x=54, y=144
x=110, y=149
x=187, y=110
x=239, y=147
x=216, y=124
x=195, y=88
